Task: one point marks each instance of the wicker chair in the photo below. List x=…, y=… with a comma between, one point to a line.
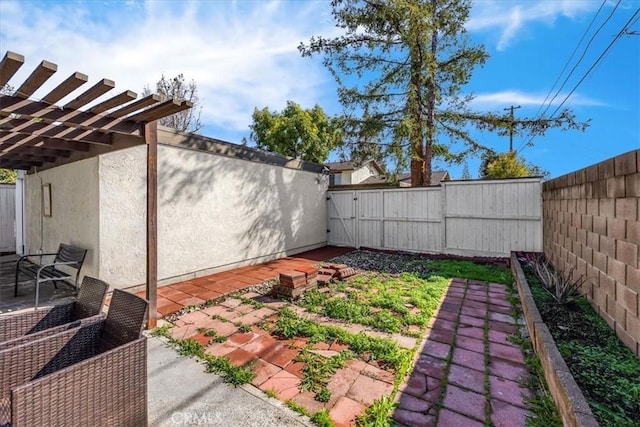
x=93, y=375
x=32, y=325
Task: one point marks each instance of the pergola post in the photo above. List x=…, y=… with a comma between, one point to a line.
x=151, y=139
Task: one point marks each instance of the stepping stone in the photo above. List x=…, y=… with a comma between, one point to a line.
x=345, y=411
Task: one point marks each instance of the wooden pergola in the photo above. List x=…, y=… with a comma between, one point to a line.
x=39, y=134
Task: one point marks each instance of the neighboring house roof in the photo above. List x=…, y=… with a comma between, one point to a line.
x=405, y=179
x=436, y=177
x=335, y=167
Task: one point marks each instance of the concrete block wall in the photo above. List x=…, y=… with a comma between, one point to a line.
x=591, y=221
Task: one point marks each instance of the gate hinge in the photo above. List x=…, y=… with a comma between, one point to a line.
x=328, y=231
x=328, y=198
x=355, y=198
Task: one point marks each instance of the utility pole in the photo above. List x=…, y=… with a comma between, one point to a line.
x=511, y=126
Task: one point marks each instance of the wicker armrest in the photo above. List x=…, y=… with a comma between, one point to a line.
x=28, y=361
x=23, y=339
x=89, y=303
x=109, y=389
x=24, y=323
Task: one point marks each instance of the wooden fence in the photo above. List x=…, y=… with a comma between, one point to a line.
x=473, y=218
x=7, y=218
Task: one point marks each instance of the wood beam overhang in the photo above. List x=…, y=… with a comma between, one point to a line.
x=27, y=125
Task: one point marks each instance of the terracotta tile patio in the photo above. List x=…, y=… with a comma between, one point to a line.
x=483, y=371
x=173, y=298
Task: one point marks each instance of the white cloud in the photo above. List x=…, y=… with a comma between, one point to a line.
x=510, y=18
x=241, y=54
x=513, y=97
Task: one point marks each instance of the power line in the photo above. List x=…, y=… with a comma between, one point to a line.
x=595, y=63
x=566, y=64
x=600, y=58
x=584, y=52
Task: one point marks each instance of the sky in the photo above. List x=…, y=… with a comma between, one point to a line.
x=243, y=54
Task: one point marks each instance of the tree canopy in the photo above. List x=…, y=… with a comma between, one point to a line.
x=508, y=165
x=401, y=66
x=306, y=134
x=181, y=90
x=8, y=176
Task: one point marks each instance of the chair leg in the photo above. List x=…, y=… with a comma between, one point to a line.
x=15, y=289
x=37, y=292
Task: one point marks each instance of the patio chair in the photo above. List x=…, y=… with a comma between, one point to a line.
x=18, y=328
x=67, y=256
x=93, y=375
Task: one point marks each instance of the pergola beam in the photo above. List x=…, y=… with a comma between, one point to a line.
x=73, y=82
x=9, y=65
x=40, y=75
x=116, y=101
x=100, y=88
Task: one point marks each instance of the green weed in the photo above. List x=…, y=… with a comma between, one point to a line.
x=322, y=419
x=189, y=347
x=162, y=331
x=271, y=393
x=236, y=375
x=297, y=407
x=378, y=414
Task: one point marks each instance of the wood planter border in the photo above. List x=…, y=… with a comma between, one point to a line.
x=572, y=405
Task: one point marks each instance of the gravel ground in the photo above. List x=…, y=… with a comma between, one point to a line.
x=392, y=263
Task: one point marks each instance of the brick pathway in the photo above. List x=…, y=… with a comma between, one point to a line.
x=175, y=297
x=468, y=342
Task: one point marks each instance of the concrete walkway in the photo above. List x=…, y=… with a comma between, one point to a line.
x=182, y=394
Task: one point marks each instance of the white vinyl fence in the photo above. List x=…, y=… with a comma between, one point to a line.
x=7, y=218
x=475, y=218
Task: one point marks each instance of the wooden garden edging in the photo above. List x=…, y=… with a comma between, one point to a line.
x=572, y=405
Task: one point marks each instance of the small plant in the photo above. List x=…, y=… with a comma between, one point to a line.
x=162, y=331
x=297, y=407
x=562, y=285
x=322, y=419
x=236, y=375
x=323, y=395
x=243, y=327
x=271, y=393
x=378, y=414
x=189, y=348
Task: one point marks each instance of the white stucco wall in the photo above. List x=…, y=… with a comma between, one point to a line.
x=214, y=213
x=74, y=211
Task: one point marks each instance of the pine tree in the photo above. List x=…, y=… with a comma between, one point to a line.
x=401, y=66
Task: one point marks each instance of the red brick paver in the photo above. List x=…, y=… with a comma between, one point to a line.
x=173, y=298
